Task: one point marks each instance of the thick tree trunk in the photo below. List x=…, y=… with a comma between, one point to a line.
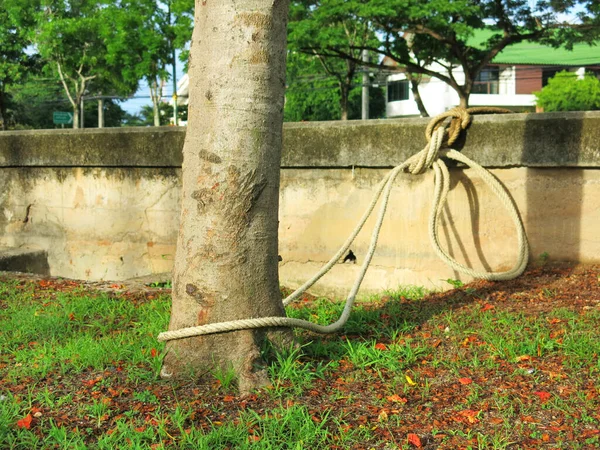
x=226, y=261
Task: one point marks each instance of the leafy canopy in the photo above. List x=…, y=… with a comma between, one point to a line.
x=416, y=33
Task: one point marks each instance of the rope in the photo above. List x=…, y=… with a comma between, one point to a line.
x=439, y=136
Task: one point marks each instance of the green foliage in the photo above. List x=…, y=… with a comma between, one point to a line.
x=313, y=95
x=15, y=62
x=80, y=41
x=416, y=33
x=565, y=92
x=333, y=24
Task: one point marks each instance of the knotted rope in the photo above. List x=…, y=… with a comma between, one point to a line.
x=440, y=136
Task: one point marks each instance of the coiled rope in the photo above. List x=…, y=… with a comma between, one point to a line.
x=440, y=137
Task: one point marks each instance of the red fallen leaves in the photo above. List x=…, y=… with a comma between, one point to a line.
x=467, y=415
x=395, y=398
x=486, y=307
x=465, y=381
x=381, y=346
x=414, y=439
x=228, y=398
x=25, y=422
x=544, y=396
x=91, y=383
x=153, y=352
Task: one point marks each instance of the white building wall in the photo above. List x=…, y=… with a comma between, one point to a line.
x=439, y=97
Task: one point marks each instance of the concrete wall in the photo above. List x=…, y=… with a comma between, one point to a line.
x=104, y=203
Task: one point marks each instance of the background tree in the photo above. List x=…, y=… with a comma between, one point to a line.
x=226, y=261
x=183, y=24
x=315, y=25
x=32, y=102
x=16, y=20
x=416, y=33
x=313, y=95
x=565, y=92
x=78, y=38
x=142, y=44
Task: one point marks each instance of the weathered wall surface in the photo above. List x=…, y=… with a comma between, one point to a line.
x=104, y=204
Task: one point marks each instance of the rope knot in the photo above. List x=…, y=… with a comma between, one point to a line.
x=441, y=135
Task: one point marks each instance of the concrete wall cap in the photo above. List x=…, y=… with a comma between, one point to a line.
x=510, y=140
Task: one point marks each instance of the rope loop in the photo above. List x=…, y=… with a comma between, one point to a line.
x=440, y=136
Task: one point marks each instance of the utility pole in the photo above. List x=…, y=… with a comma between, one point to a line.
x=100, y=113
x=175, y=120
x=365, y=86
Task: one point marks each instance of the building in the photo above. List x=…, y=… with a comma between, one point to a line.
x=509, y=82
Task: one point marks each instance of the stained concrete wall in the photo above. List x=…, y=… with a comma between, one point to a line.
x=104, y=204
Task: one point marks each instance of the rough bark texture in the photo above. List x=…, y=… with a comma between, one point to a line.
x=226, y=263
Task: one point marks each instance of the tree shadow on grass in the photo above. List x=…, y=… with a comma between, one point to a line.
x=387, y=317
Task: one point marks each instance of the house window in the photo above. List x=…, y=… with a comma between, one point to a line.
x=487, y=82
x=397, y=90
x=547, y=74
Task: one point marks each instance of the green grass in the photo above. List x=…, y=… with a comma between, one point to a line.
x=443, y=367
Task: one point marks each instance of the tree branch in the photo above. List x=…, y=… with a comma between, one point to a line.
x=64, y=83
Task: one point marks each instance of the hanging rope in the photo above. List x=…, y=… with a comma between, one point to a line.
x=440, y=136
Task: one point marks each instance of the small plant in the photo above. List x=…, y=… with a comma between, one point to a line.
x=161, y=284
x=456, y=284
x=225, y=377
x=544, y=258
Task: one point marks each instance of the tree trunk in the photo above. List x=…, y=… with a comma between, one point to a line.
x=463, y=94
x=414, y=87
x=75, y=116
x=344, y=93
x=155, y=95
x=226, y=261
x=3, y=118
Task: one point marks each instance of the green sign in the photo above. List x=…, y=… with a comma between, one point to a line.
x=60, y=117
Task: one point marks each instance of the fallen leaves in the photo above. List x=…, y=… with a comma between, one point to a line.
x=395, y=398
x=409, y=380
x=414, y=439
x=544, y=396
x=25, y=422
x=468, y=416
x=436, y=399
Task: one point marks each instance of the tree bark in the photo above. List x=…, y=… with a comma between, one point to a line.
x=414, y=87
x=226, y=263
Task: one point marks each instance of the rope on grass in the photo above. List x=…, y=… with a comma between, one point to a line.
x=440, y=137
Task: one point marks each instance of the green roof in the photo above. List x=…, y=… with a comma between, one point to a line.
x=531, y=53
